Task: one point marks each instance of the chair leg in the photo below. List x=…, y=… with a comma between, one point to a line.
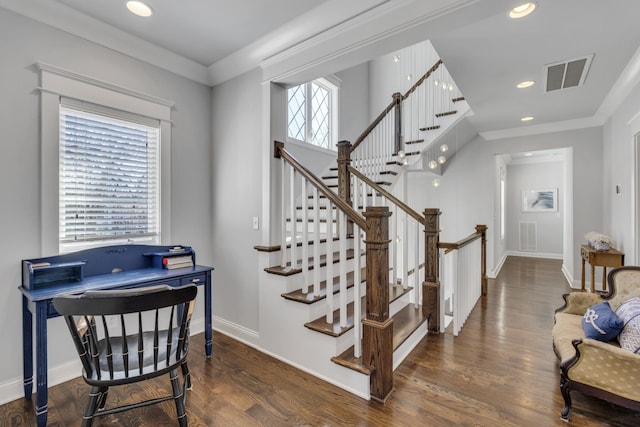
x=102, y=399
x=565, y=389
x=92, y=406
x=186, y=375
x=178, y=397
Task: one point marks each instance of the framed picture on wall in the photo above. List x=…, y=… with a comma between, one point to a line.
x=540, y=200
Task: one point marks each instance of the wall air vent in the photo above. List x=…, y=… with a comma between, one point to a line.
x=528, y=236
x=566, y=74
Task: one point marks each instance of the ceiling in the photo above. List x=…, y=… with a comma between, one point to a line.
x=486, y=52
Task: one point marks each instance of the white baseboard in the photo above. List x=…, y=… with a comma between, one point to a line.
x=14, y=389
x=533, y=254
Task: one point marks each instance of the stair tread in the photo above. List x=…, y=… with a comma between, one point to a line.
x=405, y=322
x=310, y=298
x=447, y=113
x=288, y=270
x=458, y=99
x=334, y=329
x=416, y=141
x=436, y=127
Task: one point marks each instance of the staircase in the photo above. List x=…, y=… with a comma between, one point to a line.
x=355, y=292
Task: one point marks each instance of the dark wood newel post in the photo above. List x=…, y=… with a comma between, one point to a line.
x=431, y=285
x=483, y=258
x=344, y=179
x=397, y=99
x=377, y=327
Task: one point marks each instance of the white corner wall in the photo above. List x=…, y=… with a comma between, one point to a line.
x=620, y=168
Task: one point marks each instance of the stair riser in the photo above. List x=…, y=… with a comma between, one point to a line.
x=319, y=308
x=310, y=249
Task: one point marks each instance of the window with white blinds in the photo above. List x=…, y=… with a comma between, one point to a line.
x=109, y=176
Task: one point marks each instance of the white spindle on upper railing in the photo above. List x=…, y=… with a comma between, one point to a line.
x=433, y=95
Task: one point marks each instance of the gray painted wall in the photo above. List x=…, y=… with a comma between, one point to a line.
x=25, y=42
x=467, y=194
x=618, y=164
x=548, y=175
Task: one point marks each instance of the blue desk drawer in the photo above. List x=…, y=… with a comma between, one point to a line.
x=199, y=279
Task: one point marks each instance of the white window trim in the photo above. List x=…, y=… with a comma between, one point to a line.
x=56, y=82
x=332, y=84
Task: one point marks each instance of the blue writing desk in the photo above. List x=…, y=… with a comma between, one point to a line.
x=111, y=267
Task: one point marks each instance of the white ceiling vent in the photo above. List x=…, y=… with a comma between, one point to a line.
x=566, y=74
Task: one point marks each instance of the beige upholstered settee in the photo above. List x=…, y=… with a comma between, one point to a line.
x=601, y=369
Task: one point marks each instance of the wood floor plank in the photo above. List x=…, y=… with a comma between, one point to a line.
x=500, y=371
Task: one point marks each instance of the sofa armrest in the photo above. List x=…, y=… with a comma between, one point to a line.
x=604, y=366
x=578, y=302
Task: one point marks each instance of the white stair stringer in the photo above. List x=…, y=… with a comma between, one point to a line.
x=282, y=334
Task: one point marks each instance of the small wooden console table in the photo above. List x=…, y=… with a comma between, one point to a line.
x=604, y=259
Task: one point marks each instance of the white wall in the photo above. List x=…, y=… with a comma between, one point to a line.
x=25, y=42
x=536, y=176
x=238, y=191
x=237, y=198
x=618, y=164
x=465, y=195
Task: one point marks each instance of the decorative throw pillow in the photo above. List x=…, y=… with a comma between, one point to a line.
x=601, y=323
x=629, y=313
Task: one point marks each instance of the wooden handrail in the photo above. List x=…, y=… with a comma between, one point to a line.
x=373, y=124
x=448, y=247
x=422, y=79
x=392, y=104
x=280, y=152
x=415, y=215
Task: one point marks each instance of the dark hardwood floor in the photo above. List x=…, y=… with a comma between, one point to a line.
x=500, y=371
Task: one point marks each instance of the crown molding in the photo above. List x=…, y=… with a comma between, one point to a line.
x=543, y=128
x=64, y=18
x=369, y=22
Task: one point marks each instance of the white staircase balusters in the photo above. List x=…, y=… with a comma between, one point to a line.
x=316, y=243
x=342, y=237
x=305, y=236
x=293, y=216
x=357, y=291
x=329, y=264
x=283, y=220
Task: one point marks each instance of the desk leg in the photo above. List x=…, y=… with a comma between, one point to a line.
x=41, y=363
x=582, y=279
x=593, y=279
x=27, y=348
x=208, y=342
x=604, y=278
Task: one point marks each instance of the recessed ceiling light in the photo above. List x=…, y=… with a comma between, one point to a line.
x=523, y=10
x=528, y=154
x=525, y=84
x=526, y=119
x=139, y=8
